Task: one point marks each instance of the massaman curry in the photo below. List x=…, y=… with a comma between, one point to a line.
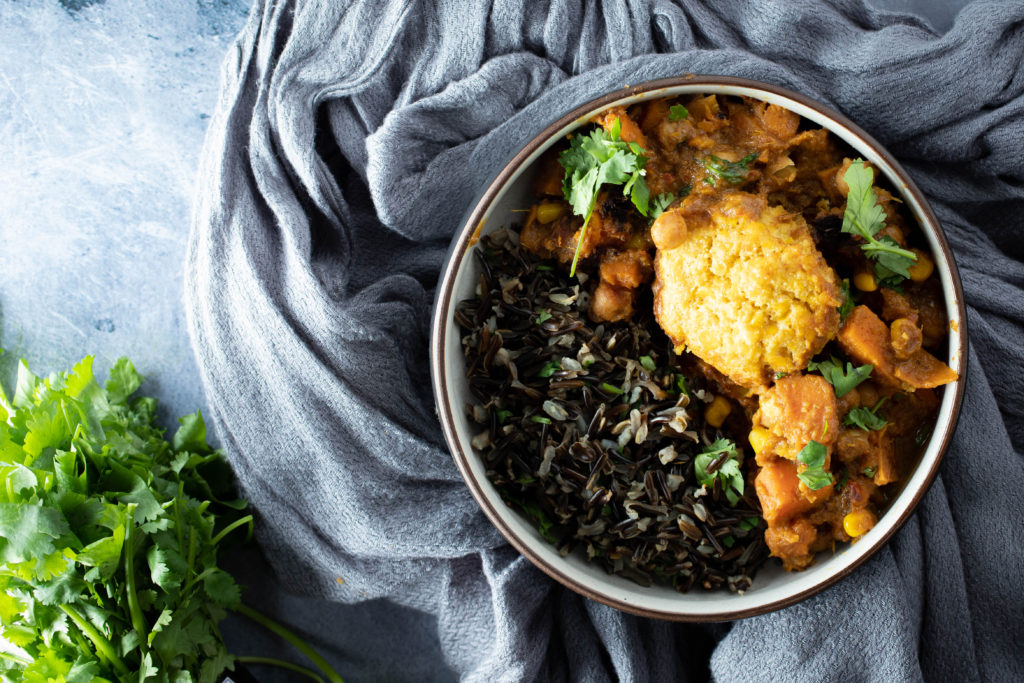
x=782, y=274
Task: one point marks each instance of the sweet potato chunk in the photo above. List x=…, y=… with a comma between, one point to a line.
x=630, y=268
x=628, y=130
x=778, y=489
x=800, y=408
x=865, y=339
x=924, y=371
x=792, y=543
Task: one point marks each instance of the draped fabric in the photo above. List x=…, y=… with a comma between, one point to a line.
x=349, y=140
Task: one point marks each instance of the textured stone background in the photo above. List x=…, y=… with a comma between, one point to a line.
x=103, y=107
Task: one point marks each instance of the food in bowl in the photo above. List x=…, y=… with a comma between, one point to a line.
x=714, y=338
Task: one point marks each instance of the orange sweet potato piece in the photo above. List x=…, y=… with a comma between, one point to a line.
x=548, y=181
x=865, y=339
x=924, y=371
x=800, y=408
x=655, y=112
x=792, y=543
x=630, y=268
x=628, y=130
x=886, y=469
x=778, y=489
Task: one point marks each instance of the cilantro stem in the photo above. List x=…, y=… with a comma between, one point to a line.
x=583, y=233
x=231, y=527
x=297, y=642
x=15, y=658
x=134, y=610
x=281, y=664
x=103, y=647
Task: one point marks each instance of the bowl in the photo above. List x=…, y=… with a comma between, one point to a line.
x=773, y=587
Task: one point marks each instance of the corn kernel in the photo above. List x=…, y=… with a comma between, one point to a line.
x=865, y=282
x=717, y=411
x=549, y=211
x=922, y=270
x=858, y=523
x=759, y=439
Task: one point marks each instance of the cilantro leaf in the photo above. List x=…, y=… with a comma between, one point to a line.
x=865, y=218
x=596, y=159
x=733, y=172
x=677, y=112
x=866, y=418
x=848, y=304
x=123, y=381
x=722, y=458
x=813, y=456
x=832, y=370
x=191, y=435
x=661, y=203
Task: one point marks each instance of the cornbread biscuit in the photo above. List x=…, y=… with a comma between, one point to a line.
x=745, y=288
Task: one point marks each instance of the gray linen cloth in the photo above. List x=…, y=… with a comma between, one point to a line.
x=349, y=140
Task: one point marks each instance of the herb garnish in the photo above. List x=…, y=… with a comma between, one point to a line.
x=734, y=172
x=677, y=112
x=647, y=363
x=868, y=472
x=848, y=304
x=598, y=158
x=866, y=418
x=865, y=218
x=815, y=476
x=661, y=203
x=724, y=453
x=550, y=368
x=832, y=370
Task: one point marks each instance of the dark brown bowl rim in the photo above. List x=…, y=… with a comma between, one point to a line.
x=442, y=314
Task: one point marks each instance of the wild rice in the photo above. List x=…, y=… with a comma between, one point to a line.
x=591, y=431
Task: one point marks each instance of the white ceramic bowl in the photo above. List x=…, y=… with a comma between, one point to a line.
x=773, y=587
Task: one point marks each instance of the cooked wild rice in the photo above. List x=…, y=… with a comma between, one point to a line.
x=591, y=431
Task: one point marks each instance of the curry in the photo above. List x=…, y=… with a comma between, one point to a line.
x=783, y=274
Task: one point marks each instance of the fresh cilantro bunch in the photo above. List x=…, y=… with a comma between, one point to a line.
x=865, y=218
x=598, y=158
x=721, y=460
x=109, y=536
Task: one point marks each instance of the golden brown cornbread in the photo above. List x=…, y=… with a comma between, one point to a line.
x=746, y=290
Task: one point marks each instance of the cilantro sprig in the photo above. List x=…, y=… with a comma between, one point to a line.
x=602, y=158
x=867, y=419
x=723, y=461
x=832, y=371
x=865, y=218
x=109, y=537
x=814, y=476
x=733, y=172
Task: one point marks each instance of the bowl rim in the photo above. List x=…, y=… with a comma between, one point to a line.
x=466, y=238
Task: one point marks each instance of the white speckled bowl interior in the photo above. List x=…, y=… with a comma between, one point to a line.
x=773, y=587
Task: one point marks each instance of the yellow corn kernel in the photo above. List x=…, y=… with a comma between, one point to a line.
x=865, y=282
x=922, y=270
x=759, y=439
x=717, y=411
x=549, y=211
x=858, y=523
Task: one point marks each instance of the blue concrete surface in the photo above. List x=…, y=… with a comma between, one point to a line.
x=103, y=108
